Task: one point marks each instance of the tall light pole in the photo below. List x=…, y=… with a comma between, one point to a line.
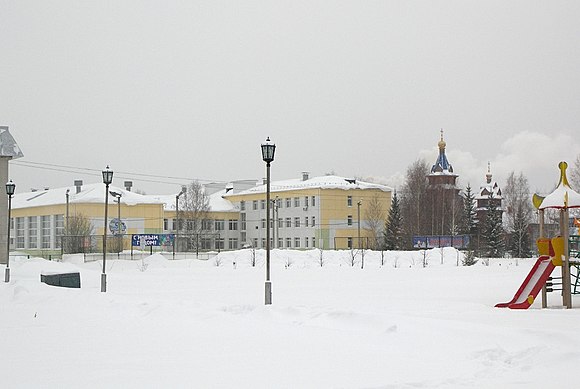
x=67, y=202
x=268, y=150
x=362, y=262
x=107, y=179
x=66, y=227
x=119, y=232
x=175, y=241
x=276, y=223
x=10, y=186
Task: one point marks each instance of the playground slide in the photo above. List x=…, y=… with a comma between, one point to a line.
x=532, y=285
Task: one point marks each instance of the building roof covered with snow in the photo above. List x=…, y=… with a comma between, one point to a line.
x=321, y=182
x=91, y=193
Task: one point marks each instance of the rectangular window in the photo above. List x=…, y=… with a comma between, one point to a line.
x=297, y=222
x=306, y=221
x=205, y=243
x=255, y=205
x=313, y=201
x=349, y=201
x=279, y=203
x=32, y=232
x=243, y=223
x=233, y=243
x=207, y=224
x=349, y=243
x=288, y=222
x=219, y=225
x=306, y=242
x=296, y=201
x=59, y=229
x=165, y=224
x=263, y=223
x=262, y=204
x=174, y=223
x=242, y=205
x=45, y=228
x=297, y=242
x=19, y=232
x=255, y=242
x=280, y=242
x=219, y=244
x=263, y=242
x=313, y=224
x=233, y=225
x=349, y=220
x=243, y=237
x=306, y=201
x=288, y=242
x=288, y=202
x=280, y=223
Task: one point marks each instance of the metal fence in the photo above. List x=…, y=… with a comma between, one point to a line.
x=123, y=246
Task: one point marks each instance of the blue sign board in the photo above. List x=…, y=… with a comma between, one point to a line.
x=152, y=240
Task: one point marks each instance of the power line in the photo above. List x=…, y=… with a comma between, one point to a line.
x=97, y=172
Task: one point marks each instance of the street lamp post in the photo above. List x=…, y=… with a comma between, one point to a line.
x=268, y=150
x=175, y=240
x=119, y=232
x=66, y=226
x=107, y=179
x=10, y=186
x=362, y=262
x=67, y=202
x=276, y=230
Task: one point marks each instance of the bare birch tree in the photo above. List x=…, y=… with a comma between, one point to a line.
x=374, y=217
x=193, y=211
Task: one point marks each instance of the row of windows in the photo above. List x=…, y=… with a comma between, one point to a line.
x=305, y=201
x=295, y=243
x=207, y=225
x=219, y=244
x=308, y=222
x=219, y=225
x=288, y=202
x=19, y=224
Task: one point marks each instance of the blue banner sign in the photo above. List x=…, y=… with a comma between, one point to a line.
x=433, y=241
x=152, y=240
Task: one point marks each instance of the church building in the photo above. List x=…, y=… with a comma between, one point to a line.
x=445, y=203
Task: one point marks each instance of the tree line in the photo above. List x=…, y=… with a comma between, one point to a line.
x=503, y=229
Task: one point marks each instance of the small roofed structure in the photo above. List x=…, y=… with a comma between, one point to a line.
x=8, y=146
x=562, y=198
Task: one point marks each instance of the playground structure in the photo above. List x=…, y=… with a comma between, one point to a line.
x=555, y=252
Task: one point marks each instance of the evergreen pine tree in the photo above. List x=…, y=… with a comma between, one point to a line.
x=393, y=232
x=493, y=232
x=469, y=216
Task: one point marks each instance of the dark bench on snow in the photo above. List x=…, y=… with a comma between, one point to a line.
x=65, y=280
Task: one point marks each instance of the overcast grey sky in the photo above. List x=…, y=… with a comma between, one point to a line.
x=190, y=89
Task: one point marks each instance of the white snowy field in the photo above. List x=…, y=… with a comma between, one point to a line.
x=193, y=324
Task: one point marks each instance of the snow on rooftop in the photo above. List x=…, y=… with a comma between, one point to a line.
x=322, y=182
x=216, y=202
x=91, y=193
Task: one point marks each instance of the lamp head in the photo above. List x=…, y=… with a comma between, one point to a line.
x=10, y=186
x=268, y=150
x=107, y=176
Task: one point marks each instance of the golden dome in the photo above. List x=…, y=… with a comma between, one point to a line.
x=441, y=143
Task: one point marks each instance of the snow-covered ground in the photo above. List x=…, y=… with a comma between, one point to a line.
x=194, y=324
